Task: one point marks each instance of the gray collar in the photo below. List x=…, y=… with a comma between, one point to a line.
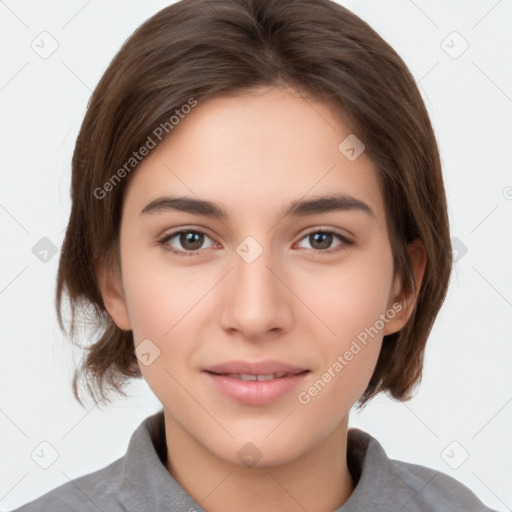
x=147, y=485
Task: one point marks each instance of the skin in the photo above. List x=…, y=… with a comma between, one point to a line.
x=252, y=155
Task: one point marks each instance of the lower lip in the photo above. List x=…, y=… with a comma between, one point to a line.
x=255, y=392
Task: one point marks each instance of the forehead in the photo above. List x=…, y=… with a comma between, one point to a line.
x=263, y=149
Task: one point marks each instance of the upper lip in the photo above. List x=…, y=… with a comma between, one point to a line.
x=267, y=367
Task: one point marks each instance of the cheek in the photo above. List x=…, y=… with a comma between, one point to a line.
x=151, y=304
x=349, y=350
x=157, y=294
x=159, y=305
x=350, y=297
x=351, y=301
x=162, y=303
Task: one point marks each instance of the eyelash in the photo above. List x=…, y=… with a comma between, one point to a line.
x=322, y=252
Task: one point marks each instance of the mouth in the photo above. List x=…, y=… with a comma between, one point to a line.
x=255, y=383
x=258, y=377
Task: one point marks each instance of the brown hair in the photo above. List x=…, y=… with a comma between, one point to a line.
x=205, y=48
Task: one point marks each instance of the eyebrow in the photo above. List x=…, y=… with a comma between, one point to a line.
x=300, y=207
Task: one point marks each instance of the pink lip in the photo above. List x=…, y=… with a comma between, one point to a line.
x=255, y=392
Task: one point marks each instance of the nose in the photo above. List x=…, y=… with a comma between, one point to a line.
x=256, y=299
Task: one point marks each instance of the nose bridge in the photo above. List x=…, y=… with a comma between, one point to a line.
x=256, y=299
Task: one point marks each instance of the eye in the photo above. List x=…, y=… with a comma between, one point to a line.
x=322, y=240
x=191, y=240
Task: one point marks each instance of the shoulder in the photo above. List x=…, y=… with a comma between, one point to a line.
x=432, y=490
x=137, y=481
x=92, y=492
x=392, y=485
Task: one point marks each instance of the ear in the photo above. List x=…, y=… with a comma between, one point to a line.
x=111, y=289
x=400, y=302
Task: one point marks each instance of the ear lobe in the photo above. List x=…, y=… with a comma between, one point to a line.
x=112, y=293
x=404, y=303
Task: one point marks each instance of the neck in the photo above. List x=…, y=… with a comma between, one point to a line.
x=318, y=480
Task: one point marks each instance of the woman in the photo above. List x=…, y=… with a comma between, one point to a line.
x=259, y=223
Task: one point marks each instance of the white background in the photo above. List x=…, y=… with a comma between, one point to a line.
x=466, y=392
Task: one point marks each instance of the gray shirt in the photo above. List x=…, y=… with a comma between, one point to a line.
x=140, y=482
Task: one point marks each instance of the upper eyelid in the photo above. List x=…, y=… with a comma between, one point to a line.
x=172, y=234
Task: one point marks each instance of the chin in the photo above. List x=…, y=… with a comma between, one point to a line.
x=256, y=451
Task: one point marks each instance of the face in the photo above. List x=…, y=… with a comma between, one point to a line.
x=311, y=290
